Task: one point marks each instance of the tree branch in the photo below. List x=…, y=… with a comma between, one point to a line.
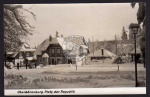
x=34, y=16
x=17, y=17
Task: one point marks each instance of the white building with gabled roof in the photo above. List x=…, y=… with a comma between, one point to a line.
x=24, y=51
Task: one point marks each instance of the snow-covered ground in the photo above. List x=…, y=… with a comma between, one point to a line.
x=66, y=76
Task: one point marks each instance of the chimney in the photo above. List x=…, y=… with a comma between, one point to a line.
x=50, y=38
x=57, y=34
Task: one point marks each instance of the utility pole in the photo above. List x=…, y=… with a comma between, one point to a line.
x=121, y=47
x=102, y=54
x=103, y=50
x=93, y=46
x=116, y=44
x=116, y=49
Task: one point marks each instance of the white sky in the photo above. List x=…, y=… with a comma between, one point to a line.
x=101, y=20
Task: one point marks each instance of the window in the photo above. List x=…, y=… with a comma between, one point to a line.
x=49, y=51
x=58, y=51
x=56, y=55
x=40, y=59
x=52, y=51
x=20, y=54
x=27, y=54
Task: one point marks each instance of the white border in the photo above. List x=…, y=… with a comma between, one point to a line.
x=79, y=91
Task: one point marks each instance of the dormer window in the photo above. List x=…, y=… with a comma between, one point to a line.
x=27, y=54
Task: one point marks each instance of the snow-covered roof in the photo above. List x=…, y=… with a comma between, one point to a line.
x=138, y=51
x=23, y=47
x=30, y=58
x=98, y=53
x=27, y=50
x=44, y=45
x=10, y=52
x=58, y=40
x=45, y=55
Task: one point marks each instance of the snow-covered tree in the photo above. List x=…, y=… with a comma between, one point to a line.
x=124, y=35
x=15, y=26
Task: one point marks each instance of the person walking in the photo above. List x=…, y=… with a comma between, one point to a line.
x=35, y=63
x=18, y=66
x=26, y=62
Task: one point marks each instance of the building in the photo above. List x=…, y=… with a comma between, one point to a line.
x=138, y=54
x=50, y=51
x=24, y=51
x=98, y=56
x=9, y=57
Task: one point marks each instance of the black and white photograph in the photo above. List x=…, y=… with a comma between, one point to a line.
x=75, y=48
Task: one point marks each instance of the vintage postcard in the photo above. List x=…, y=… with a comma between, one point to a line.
x=74, y=49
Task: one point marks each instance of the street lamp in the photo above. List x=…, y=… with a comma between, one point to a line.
x=134, y=30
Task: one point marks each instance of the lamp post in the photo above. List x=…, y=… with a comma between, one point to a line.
x=134, y=29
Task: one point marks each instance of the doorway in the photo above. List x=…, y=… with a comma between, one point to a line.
x=53, y=62
x=69, y=61
x=58, y=61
